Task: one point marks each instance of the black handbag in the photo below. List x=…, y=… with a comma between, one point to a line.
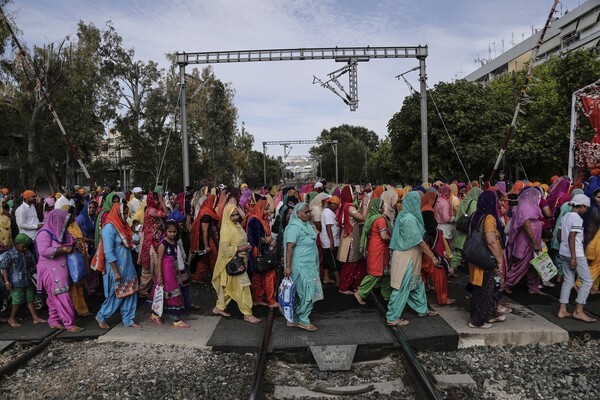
x=265, y=262
x=236, y=266
x=476, y=251
x=463, y=223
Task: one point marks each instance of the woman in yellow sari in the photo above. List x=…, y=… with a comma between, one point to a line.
x=233, y=242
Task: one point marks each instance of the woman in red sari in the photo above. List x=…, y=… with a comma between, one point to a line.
x=204, y=236
x=152, y=232
x=349, y=217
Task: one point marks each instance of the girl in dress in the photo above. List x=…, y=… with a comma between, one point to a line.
x=167, y=275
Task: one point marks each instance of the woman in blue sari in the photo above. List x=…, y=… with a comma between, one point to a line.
x=408, y=248
x=302, y=264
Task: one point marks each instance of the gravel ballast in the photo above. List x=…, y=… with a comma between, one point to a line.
x=279, y=373
x=90, y=370
x=562, y=371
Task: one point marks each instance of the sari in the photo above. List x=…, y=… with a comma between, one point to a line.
x=354, y=267
x=520, y=248
x=115, y=246
x=405, y=279
x=229, y=287
x=53, y=277
x=376, y=250
x=484, y=303
x=304, y=265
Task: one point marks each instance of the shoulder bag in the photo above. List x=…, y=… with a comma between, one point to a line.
x=236, y=266
x=462, y=225
x=476, y=251
x=265, y=262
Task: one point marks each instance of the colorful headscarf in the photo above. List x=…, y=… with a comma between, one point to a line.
x=428, y=202
x=86, y=223
x=409, y=227
x=343, y=214
x=375, y=212
x=258, y=212
x=56, y=224
x=487, y=205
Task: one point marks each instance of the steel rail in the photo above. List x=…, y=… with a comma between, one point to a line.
x=424, y=383
x=256, y=390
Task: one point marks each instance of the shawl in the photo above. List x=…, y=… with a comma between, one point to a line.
x=559, y=191
x=258, y=212
x=443, y=207
x=528, y=207
x=375, y=212
x=86, y=223
x=501, y=186
x=336, y=192
x=123, y=230
x=473, y=195
x=49, y=202
x=176, y=216
x=56, y=224
x=378, y=191
x=106, y=207
x=318, y=200
x=409, y=227
x=428, y=202
x=487, y=204
x=232, y=232
x=207, y=208
x=565, y=208
x=389, y=199
x=343, y=215
x=180, y=202
x=593, y=203
x=305, y=227
x=246, y=194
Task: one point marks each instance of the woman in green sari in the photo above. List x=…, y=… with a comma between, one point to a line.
x=302, y=264
x=111, y=199
x=467, y=207
x=408, y=248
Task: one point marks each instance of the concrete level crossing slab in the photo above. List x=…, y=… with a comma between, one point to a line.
x=201, y=328
x=521, y=327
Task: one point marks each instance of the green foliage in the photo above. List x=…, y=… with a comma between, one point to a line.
x=355, y=146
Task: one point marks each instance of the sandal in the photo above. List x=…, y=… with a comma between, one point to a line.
x=484, y=326
x=60, y=327
x=499, y=318
x=309, y=327
x=75, y=329
x=156, y=319
x=430, y=313
x=504, y=310
x=399, y=322
x=180, y=324
x=194, y=307
x=291, y=324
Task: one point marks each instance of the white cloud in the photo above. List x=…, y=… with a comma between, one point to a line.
x=277, y=100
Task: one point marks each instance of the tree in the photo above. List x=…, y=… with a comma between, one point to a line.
x=355, y=146
x=68, y=72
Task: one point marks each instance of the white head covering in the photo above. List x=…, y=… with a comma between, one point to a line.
x=137, y=189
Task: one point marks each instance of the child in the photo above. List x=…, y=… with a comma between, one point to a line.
x=167, y=275
x=16, y=265
x=574, y=262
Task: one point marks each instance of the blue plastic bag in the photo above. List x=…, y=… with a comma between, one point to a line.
x=77, y=268
x=287, y=293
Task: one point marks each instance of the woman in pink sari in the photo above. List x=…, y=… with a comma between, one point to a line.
x=443, y=212
x=524, y=240
x=53, y=243
x=152, y=232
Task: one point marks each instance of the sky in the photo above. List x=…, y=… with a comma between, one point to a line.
x=277, y=100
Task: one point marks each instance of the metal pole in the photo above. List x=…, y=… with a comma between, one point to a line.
x=184, y=133
x=424, y=145
x=336, y=164
x=572, y=136
x=265, y=163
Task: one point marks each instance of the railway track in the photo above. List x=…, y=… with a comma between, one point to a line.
x=423, y=382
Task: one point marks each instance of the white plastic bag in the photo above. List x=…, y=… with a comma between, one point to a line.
x=287, y=293
x=157, y=302
x=544, y=266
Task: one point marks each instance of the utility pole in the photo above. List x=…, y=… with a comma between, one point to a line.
x=424, y=144
x=184, y=133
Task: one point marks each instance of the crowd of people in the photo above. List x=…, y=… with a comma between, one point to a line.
x=404, y=240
